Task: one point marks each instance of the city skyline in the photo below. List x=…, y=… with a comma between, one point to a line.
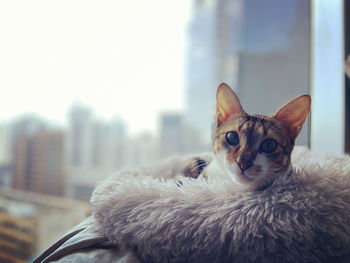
x=113, y=56
x=96, y=115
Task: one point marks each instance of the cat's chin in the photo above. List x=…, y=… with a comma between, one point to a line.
x=240, y=177
x=244, y=177
x=244, y=181
x=237, y=175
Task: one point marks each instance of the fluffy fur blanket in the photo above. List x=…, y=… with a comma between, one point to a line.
x=300, y=218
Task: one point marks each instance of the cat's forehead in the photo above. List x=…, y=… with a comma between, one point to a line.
x=253, y=124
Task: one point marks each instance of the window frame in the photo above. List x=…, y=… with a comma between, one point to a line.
x=327, y=76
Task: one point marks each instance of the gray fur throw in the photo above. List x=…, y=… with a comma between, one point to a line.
x=300, y=218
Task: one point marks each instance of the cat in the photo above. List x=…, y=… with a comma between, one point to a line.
x=251, y=150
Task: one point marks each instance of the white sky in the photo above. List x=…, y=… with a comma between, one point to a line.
x=120, y=57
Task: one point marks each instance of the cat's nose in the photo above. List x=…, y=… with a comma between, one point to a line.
x=244, y=164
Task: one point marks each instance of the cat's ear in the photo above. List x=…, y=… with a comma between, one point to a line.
x=294, y=114
x=227, y=103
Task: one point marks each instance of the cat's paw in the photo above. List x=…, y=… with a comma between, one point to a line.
x=194, y=168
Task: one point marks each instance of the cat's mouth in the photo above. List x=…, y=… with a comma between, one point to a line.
x=237, y=175
x=244, y=176
x=240, y=176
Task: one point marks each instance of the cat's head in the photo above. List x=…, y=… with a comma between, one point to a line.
x=255, y=149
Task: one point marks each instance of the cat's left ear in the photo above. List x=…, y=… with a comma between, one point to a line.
x=294, y=114
x=227, y=103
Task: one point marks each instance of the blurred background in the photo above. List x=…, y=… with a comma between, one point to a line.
x=90, y=87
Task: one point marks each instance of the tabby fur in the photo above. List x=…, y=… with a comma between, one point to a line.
x=248, y=163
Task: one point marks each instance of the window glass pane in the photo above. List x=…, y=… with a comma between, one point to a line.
x=90, y=87
x=260, y=48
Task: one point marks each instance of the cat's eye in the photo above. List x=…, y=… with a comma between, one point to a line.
x=268, y=146
x=232, y=138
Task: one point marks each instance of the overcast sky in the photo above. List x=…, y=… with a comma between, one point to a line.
x=120, y=57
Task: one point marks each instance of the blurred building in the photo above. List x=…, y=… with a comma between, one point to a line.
x=79, y=137
x=229, y=24
x=113, y=150
x=261, y=49
x=18, y=225
x=108, y=144
x=39, y=163
x=212, y=58
x=6, y=174
x=141, y=150
x=5, y=155
x=279, y=65
x=200, y=67
x=5, y=144
x=31, y=222
x=95, y=149
x=25, y=125
x=178, y=137
x=94, y=143
x=171, y=131
x=10, y=133
x=81, y=181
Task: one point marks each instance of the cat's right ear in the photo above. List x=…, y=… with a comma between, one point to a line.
x=294, y=114
x=227, y=104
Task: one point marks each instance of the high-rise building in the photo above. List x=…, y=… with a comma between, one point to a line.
x=275, y=69
x=30, y=222
x=178, y=137
x=5, y=144
x=79, y=137
x=108, y=144
x=200, y=67
x=171, y=131
x=141, y=150
x=93, y=143
x=5, y=155
x=262, y=50
x=95, y=148
x=118, y=145
x=228, y=30
x=38, y=163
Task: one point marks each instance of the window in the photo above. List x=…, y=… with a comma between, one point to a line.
x=91, y=87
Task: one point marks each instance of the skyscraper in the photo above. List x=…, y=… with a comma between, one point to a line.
x=79, y=137
x=212, y=58
x=38, y=163
x=94, y=143
x=261, y=49
x=200, y=67
x=275, y=68
x=5, y=155
x=171, y=131
x=108, y=144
